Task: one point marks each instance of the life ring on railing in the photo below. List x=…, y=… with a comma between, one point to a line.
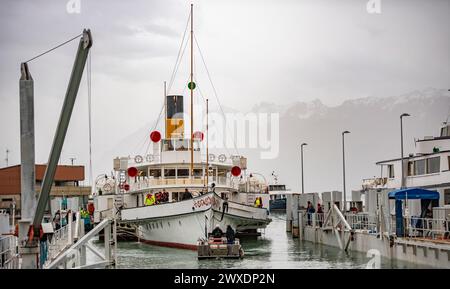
x=212, y=157
x=149, y=158
x=222, y=158
x=107, y=188
x=138, y=159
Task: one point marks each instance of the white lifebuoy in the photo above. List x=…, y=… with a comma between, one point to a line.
x=212, y=157
x=149, y=158
x=107, y=188
x=222, y=158
x=138, y=159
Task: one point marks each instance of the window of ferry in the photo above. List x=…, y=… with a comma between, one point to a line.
x=433, y=165
x=410, y=168
x=196, y=144
x=198, y=173
x=182, y=145
x=419, y=167
x=183, y=173
x=391, y=171
x=156, y=173
x=167, y=145
x=447, y=197
x=169, y=173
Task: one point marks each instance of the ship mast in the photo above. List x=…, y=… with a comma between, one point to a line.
x=191, y=87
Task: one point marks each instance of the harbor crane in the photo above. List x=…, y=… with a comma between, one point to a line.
x=33, y=206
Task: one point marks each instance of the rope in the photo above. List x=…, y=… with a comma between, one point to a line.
x=215, y=91
x=59, y=45
x=89, y=86
x=180, y=51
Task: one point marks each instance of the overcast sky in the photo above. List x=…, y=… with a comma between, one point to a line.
x=274, y=51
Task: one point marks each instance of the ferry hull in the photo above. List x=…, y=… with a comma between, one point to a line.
x=182, y=224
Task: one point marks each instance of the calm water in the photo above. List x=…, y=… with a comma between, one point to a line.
x=274, y=249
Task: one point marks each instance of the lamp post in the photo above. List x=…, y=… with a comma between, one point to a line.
x=343, y=167
x=401, y=144
x=301, y=149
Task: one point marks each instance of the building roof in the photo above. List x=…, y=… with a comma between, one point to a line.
x=10, y=176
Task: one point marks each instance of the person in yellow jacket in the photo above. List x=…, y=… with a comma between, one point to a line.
x=150, y=200
x=257, y=202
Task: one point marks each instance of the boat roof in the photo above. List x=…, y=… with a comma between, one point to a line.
x=414, y=193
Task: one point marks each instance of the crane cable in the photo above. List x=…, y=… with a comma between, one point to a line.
x=89, y=87
x=59, y=45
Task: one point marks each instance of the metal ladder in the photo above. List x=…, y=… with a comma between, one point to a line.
x=118, y=199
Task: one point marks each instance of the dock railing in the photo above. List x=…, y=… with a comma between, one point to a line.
x=9, y=256
x=436, y=229
x=362, y=222
x=356, y=221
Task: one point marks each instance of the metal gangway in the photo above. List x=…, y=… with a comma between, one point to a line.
x=69, y=246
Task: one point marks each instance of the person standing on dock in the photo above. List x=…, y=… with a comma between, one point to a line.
x=57, y=220
x=310, y=210
x=320, y=214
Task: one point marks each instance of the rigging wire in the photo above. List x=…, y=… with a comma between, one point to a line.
x=177, y=67
x=180, y=51
x=215, y=91
x=172, y=78
x=59, y=45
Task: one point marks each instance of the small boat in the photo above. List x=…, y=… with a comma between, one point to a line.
x=218, y=248
x=277, y=194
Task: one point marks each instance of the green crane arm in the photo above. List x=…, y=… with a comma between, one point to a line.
x=63, y=123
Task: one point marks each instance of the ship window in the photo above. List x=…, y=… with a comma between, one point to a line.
x=419, y=167
x=198, y=173
x=410, y=168
x=183, y=173
x=391, y=171
x=447, y=197
x=433, y=165
x=156, y=173
x=182, y=145
x=196, y=144
x=169, y=173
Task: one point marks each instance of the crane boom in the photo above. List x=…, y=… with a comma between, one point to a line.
x=63, y=123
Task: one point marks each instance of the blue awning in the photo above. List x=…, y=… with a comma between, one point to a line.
x=413, y=193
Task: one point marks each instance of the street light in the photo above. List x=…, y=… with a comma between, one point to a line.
x=401, y=143
x=301, y=149
x=343, y=167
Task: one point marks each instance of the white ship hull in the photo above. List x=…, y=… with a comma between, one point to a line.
x=182, y=224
